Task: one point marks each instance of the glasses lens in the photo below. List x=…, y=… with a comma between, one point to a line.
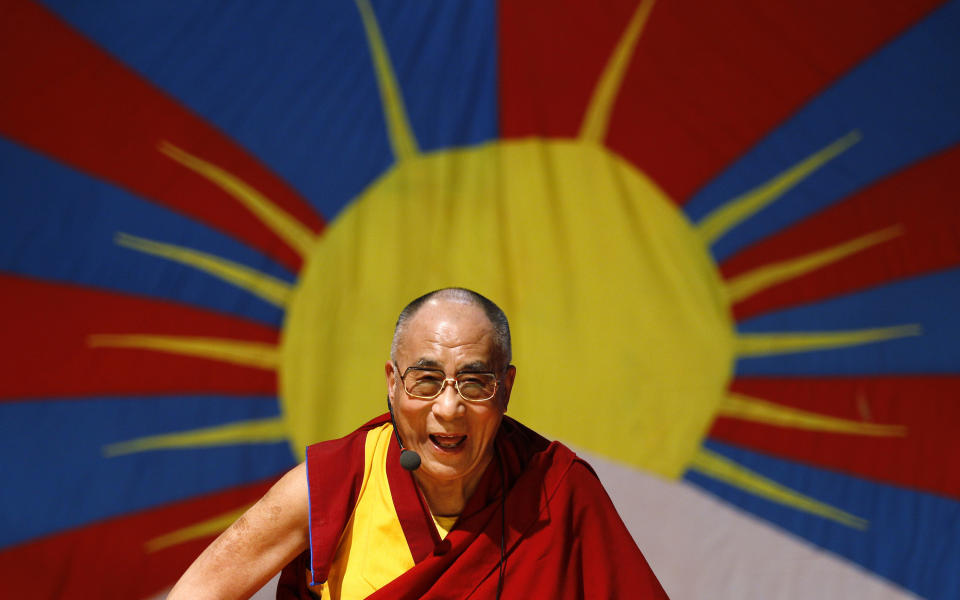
x=477, y=386
x=427, y=383
x=423, y=382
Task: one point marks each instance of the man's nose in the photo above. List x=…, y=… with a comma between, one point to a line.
x=447, y=405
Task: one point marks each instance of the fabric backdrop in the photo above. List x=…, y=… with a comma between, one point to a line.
x=727, y=236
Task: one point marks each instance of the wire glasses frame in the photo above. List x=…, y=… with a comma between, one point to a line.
x=472, y=386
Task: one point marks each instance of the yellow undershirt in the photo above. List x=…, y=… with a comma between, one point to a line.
x=373, y=550
x=444, y=524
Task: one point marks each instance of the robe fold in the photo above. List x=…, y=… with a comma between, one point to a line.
x=564, y=538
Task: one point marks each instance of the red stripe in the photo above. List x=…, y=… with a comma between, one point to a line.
x=926, y=406
x=67, y=98
x=108, y=559
x=921, y=200
x=46, y=352
x=707, y=80
x=551, y=54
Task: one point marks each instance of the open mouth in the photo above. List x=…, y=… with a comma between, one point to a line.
x=448, y=442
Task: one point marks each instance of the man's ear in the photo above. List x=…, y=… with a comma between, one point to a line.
x=508, y=377
x=391, y=375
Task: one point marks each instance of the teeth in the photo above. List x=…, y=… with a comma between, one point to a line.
x=448, y=441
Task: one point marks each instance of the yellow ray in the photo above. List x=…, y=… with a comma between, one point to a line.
x=398, y=126
x=199, y=530
x=257, y=431
x=766, y=344
x=249, y=354
x=746, y=408
x=597, y=119
x=759, y=279
x=723, y=469
x=297, y=235
x=741, y=208
x=271, y=289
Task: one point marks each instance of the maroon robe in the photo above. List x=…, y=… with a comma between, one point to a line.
x=564, y=538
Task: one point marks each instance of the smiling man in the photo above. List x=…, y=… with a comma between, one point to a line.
x=451, y=394
x=444, y=496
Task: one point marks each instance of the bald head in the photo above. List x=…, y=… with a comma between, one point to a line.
x=498, y=320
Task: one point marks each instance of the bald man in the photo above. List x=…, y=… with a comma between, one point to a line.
x=442, y=496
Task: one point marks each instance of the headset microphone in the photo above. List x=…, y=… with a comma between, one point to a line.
x=409, y=459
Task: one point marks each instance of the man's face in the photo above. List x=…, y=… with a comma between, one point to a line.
x=453, y=437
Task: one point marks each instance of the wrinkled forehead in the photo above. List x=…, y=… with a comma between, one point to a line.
x=449, y=324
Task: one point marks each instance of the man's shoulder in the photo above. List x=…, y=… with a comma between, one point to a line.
x=568, y=474
x=534, y=444
x=517, y=435
x=351, y=443
x=552, y=462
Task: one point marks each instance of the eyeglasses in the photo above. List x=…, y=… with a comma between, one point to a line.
x=427, y=384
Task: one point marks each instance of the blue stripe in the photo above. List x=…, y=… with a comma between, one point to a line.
x=53, y=457
x=903, y=100
x=445, y=56
x=293, y=82
x=59, y=224
x=930, y=301
x=907, y=528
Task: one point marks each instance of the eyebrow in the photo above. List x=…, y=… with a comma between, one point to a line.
x=473, y=367
x=427, y=362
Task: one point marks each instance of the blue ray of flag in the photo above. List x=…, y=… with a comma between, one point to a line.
x=909, y=539
x=60, y=225
x=66, y=481
x=903, y=100
x=929, y=301
x=314, y=115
